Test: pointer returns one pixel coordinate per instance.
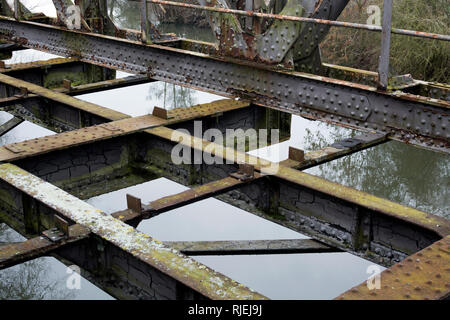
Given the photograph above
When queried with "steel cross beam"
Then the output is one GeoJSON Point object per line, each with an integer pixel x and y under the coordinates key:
{"type": "Point", "coordinates": [370, 202]}
{"type": "Point", "coordinates": [166, 134]}
{"type": "Point", "coordinates": [413, 119]}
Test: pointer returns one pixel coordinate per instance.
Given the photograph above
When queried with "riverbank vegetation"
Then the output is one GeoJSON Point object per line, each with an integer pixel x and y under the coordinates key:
{"type": "Point", "coordinates": [424, 59]}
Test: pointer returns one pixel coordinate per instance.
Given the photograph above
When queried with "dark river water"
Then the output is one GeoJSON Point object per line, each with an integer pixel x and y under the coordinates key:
{"type": "Point", "coordinates": [394, 171]}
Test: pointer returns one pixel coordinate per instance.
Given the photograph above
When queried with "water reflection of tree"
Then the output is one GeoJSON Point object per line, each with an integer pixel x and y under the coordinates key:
{"type": "Point", "coordinates": [125, 14]}
{"type": "Point", "coordinates": [171, 96]}
{"type": "Point", "coordinates": [395, 171]}
{"type": "Point", "coordinates": [31, 280]}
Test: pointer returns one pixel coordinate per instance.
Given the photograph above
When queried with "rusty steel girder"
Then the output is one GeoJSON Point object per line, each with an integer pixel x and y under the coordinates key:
{"type": "Point", "coordinates": [417, 120]}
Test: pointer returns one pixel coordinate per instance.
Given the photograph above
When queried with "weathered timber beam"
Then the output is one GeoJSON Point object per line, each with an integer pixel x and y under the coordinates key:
{"type": "Point", "coordinates": [246, 247]}
{"type": "Point", "coordinates": [105, 85]}
{"type": "Point", "coordinates": [33, 99]}
{"type": "Point", "coordinates": [81, 89]}
{"type": "Point", "coordinates": [417, 120]}
{"type": "Point", "coordinates": [422, 276]}
{"type": "Point", "coordinates": [156, 270]}
{"type": "Point", "coordinates": [9, 125]}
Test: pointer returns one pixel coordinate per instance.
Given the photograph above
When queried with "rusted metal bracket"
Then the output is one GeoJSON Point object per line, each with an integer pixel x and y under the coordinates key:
{"type": "Point", "coordinates": [245, 173]}
{"type": "Point", "coordinates": [67, 84]}
{"type": "Point", "coordinates": [62, 225]}
{"type": "Point", "coordinates": [60, 231]}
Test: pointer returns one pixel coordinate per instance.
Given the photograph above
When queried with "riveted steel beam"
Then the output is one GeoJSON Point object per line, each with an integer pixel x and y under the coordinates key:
{"type": "Point", "coordinates": [74, 90]}
{"type": "Point", "coordinates": [156, 270]}
{"type": "Point", "coordinates": [246, 247]}
{"type": "Point", "coordinates": [422, 276]}
{"type": "Point", "coordinates": [417, 120]}
{"type": "Point", "coordinates": [193, 195]}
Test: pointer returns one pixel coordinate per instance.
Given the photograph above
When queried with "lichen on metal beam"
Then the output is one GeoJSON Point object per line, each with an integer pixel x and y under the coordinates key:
{"type": "Point", "coordinates": [186, 270]}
